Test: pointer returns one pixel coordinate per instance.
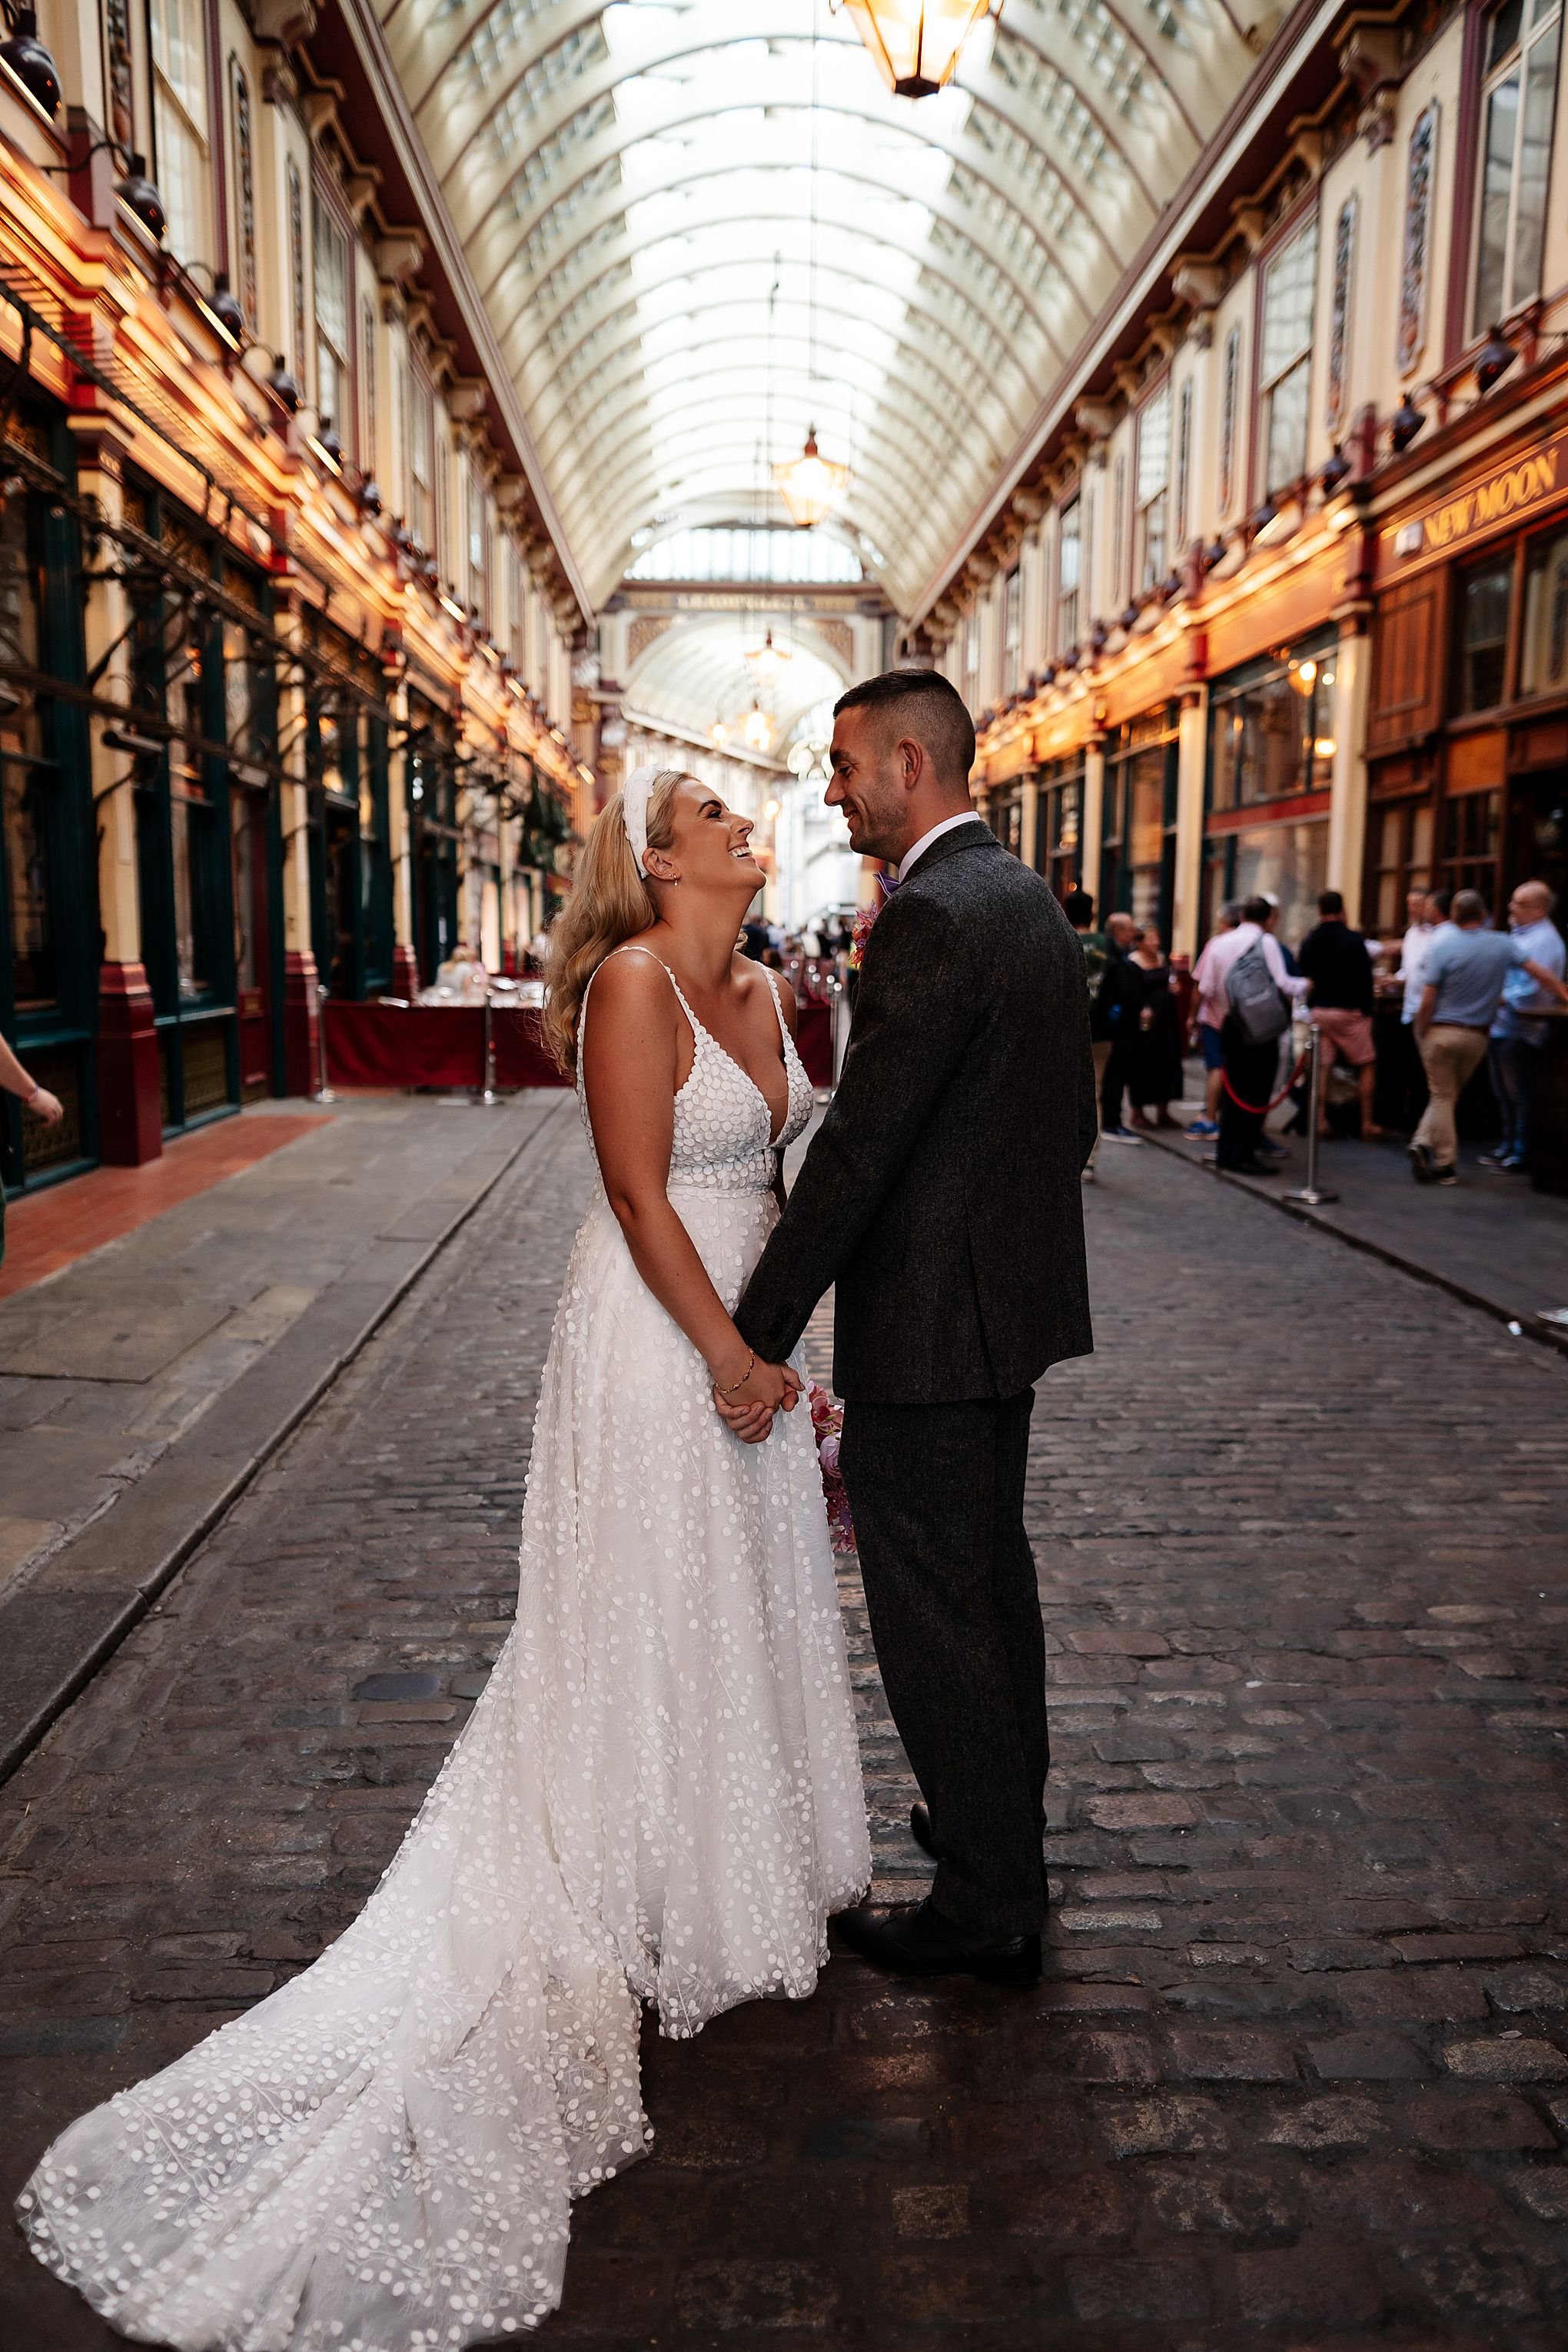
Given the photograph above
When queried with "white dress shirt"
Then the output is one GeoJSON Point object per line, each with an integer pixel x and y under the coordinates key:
{"type": "Point", "coordinates": [1412, 956]}
{"type": "Point", "coordinates": [965, 816]}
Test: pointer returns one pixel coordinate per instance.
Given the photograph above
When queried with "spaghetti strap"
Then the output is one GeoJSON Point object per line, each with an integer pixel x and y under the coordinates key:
{"type": "Point", "coordinates": [771, 978]}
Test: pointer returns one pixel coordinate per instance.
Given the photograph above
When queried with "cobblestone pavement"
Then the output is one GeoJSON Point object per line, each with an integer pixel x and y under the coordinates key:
{"type": "Point", "coordinates": [1298, 2073]}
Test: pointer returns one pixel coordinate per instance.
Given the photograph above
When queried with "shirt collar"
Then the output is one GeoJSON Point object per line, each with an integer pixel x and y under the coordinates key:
{"type": "Point", "coordinates": [965, 816]}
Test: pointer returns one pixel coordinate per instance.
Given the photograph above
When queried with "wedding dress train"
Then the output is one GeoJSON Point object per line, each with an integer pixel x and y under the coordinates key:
{"type": "Point", "coordinates": [657, 1799]}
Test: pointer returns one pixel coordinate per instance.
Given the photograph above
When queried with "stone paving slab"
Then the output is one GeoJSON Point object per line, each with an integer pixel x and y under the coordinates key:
{"type": "Point", "coordinates": [99, 1521]}
{"type": "Point", "coordinates": [1298, 2075]}
{"type": "Point", "coordinates": [1492, 1240]}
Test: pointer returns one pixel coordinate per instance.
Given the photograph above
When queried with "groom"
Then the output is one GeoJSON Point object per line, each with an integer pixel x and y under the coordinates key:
{"type": "Point", "coordinates": [941, 1196]}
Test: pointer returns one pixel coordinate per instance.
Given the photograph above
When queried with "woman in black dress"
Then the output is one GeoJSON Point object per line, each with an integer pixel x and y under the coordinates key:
{"type": "Point", "coordinates": [1154, 1062]}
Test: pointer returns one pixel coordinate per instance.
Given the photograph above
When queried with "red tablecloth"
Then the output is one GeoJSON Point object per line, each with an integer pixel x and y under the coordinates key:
{"type": "Point", "coordinates": [433, 1045]}
{"type": "Point", "coordinates": [444, 1045]}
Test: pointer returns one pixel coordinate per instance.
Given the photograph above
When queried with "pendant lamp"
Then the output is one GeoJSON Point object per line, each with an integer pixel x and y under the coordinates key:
{"type": "Point", "coordinates": [811, 485]}
{"type": "Point", "coordinates": [916, 43]}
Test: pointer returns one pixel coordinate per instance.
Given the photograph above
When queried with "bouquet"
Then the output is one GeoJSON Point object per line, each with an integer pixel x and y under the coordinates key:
{"type": "Point", "coordinates": [861, 929]}
{"type": "Point", "coordinates": [827, 1427]}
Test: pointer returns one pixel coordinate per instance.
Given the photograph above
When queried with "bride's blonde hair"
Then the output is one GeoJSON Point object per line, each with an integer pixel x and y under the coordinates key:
{"type": "Point", "coordinates": [609, 902]}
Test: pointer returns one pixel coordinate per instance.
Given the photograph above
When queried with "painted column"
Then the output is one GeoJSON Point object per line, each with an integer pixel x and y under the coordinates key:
{"type": "Point", "coordinates": [1029, 803]}
{"type": "Point", "coordinates": [1348, 799]}
{"type": "Point", "coordinates": [131, 1127]}
{"type": "Point", "coordinates": [1093, 819]}
{"type": "Point", "coordinates": [400, 847]}
{"type": "Point", "coordinates": [1192, 757]}
{"type": "Point", "coordinates": [302, 1002]}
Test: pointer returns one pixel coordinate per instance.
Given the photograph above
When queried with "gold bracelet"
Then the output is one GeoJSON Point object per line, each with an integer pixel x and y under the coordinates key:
{"type": "Point", "coordinates": [745, 1376]}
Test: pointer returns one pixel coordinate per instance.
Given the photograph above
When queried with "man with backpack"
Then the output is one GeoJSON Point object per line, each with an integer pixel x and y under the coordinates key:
{"type": "Point", "coordinates": [1245, 971]}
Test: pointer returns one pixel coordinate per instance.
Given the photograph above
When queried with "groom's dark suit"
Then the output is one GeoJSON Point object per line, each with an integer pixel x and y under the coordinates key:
{"type": "Point", "coordinates": [941, 1196]}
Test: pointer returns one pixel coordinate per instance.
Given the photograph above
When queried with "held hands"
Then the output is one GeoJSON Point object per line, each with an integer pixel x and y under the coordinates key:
{"type": "Point", "coordinates": [747, 1405]}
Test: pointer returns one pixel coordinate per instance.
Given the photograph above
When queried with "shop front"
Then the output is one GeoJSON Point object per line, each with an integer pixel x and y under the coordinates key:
{"type": "Point", "coordinates": [430, 771]}
{"type": "Point", "coordinates": [48, 918]}
{"type": "Point", "coordinates": [1138, 827]}
{"type": "Point", "coordinates": [1270, 768]}
{"type": "Point", "coordinates": [1467, 731]}
{"type": "Point", "coordinates": [1058, 822]}
{"type": "Point", "coordinates": [347, 786]}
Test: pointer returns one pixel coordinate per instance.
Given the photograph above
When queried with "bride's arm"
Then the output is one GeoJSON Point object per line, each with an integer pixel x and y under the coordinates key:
{"type": "Point", "coordinates": [630, 1059]}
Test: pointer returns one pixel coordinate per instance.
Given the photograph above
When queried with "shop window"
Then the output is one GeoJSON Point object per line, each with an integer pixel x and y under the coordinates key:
{"type": "Point", "coordinates": [1518, 106]}
{"type": "Point", "coordinates": [1286, 862]}
{"type": "Point", "coordinates": [1118, 527]}
{"type": "Point", "coordinates": [297, 264]}
{"type": "Point", "coordinates": [1012, 630]}
{"type": "Point", "coordinates": [1273, 732]}
{"type": "Point", "coordinates": [179, 32]}
{"type": "Point", "coordinates": [1285, 356]}
{"type": "Point", "coordinates": [367, 383]}
{"type": "Point", "coordinates": [1543, 656]}
{"type": "Point", "coordinates": [1401, 846]}
{"type": "Point", "coordinates": [244, 190]}
{"type": "Point", "coordinates": [972, 658]}
{"type": "Point", "coordinates": [1139, 818]}
{"type": "Point", "coordinates": [330, 255]}
{"type": "Point", "coordinates": [1069, 562]}
{"type": "Point", "coordinates": [1155, 486]}
{"type": "Point", "coordinates": [1471, 827]}
{"type": "Point", "coordinates": [1058, 823]}
{"type": "Point", "coordinates": [1485, 594]}
{"type": "Point", "coordinates": [1006, 814]}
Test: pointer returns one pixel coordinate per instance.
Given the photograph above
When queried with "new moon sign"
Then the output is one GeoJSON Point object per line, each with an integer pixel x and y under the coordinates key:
{"type": "Point", "coordinates": [1505, 495]}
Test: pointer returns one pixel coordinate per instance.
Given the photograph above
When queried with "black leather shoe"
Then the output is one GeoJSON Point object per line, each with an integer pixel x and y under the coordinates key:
{"type": "Point", "coordinates": [919, 1942]}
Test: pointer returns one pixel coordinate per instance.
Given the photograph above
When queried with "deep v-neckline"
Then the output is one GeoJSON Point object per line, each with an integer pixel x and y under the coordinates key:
{"type": "Point", "coordinates": [701, 1028]}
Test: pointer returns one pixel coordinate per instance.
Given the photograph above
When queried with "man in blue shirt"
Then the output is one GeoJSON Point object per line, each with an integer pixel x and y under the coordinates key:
{"type": "Point", "coordinates": [1463, 975]}
{"type": "Point", "coordinates": [1518, 1033]}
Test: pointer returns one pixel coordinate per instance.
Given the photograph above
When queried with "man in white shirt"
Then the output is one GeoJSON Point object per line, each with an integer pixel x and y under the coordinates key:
{"type": "Point", "coordinates": [1249, 1068]}
{"type": "Point", "coordinates": [1426, 909]}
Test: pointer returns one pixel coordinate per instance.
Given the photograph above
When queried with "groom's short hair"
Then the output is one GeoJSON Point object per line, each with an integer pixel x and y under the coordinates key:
{"type": "Point", "coordinates": [922, 703]}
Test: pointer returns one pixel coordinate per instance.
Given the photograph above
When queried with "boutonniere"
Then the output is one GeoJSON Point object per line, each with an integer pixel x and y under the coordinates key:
{"type": "Point", "coordinates": [865, 917]}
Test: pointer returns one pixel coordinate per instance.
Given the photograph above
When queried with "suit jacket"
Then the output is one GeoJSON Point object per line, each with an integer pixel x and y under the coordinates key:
{"type": "Point", "coordinates": [941, 1194]}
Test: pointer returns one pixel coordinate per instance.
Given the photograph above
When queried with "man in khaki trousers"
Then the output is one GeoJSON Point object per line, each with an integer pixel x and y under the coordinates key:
{"type": "Point", "coordinates": [1463, 971]}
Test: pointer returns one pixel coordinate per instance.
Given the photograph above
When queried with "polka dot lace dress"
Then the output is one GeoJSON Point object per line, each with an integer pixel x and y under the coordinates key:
{"type": "Point", "coordinates": [657, 1799]}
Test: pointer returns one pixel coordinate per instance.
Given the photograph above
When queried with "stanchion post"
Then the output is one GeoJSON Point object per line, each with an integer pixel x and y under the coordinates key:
{"type": "Point", "coordinates": [488, 1098]}
{"type": "Point", "coordinates": [323, 1093]}
{"type": "Point", "coordinates": [1311, 1194]}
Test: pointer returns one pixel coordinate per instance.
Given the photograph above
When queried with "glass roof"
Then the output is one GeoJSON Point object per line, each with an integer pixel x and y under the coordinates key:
{"type": "Point", "coordinates": [700, 226]}
{"type": "Point", "coordinates": [699, 672]}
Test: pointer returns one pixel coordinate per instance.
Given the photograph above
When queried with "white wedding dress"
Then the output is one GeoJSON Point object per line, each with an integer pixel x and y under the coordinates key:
{"type": "Point", "coordinates": [657, 1799]}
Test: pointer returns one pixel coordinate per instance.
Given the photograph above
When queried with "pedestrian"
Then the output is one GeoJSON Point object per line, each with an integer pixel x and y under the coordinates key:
{"type": "Point", "coordinates": [1154, 1051]}
{"type": "Point", "coordinates": [1122, 997]}
{"type": "Point", "coordinates": [1243, 966]}
{"type": "Point", "coordinates": [1210, 1019]}
{"type": "Point", "coordinates": [1335, 960]}
{"type": "Point", "coordinates": [1079, 908]}
{"type": "Point", "coordinates": [1463, 972]}
{"type": "Point", "coordinates": [43, 1105]}
{"type": "Point", "coordinates": [1517, 1033]}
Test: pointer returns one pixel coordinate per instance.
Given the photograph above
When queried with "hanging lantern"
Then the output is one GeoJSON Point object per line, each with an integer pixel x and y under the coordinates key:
{"type": "Point", "coordinates": [767, 661]}
{"type": "Point", "coordinates": [916, 43]}
{"type": "Point", "coordinates": [811, 485]}
{"type": "Point", "coordinates": [759, 728]}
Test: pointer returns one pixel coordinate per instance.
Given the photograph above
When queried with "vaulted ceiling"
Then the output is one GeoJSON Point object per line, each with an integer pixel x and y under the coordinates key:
{"type": "Point", "coordinates": [701, 226]}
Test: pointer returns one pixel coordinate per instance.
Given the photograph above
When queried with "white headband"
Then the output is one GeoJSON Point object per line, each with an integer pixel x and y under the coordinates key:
{"type": "Point", "coordinates": [634, 810]}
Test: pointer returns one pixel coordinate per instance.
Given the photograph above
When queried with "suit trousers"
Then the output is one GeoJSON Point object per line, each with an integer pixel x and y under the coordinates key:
{"type": "Point", "coordinates": [937, 1493]}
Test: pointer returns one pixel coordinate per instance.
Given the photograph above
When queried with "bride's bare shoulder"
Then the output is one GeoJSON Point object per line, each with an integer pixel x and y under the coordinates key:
{"type": "Point", "coordinates": [751, 978]}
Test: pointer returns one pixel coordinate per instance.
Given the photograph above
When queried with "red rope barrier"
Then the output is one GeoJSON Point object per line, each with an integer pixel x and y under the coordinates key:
{"type": "Point", "coordinates": [1262, 1110]}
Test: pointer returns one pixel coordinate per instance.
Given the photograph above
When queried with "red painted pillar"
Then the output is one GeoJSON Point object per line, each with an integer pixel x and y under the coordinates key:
{"type": "Point", "coordinates": [130, 1117]}
{"type": "Point", "coordinates": [301, 1014]}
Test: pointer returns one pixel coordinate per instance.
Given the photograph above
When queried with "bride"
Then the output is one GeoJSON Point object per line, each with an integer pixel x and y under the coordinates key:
{"type": "Point", "coordinates": [657, 1799]}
